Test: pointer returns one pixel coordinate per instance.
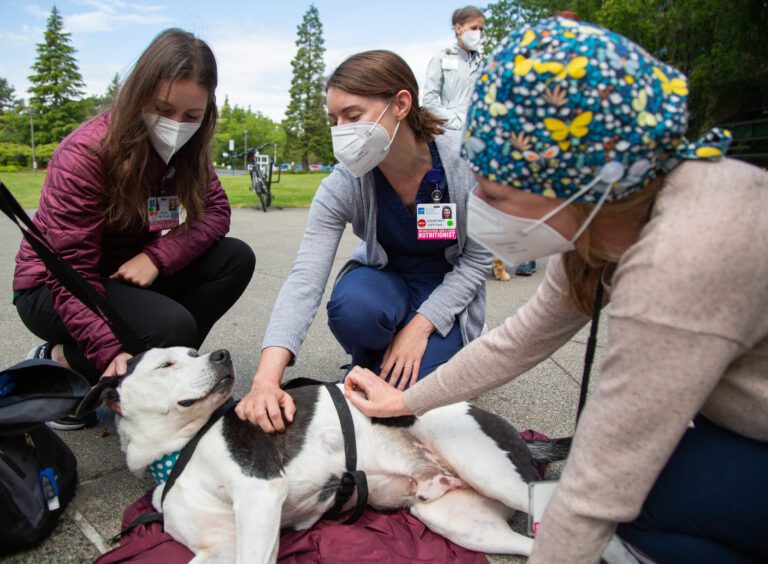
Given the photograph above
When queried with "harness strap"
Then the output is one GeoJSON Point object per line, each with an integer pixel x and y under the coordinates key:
{"type": "Point", "coordinates": [189, 448]}
{"type": "Point", "coordinates": [351, 479]}
{"type": "Point", "coordinates": [151, 517]}
{"type": "Point", "coordinates": [181, 462]}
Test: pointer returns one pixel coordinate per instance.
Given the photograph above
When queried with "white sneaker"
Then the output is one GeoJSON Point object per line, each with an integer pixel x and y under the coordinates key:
{"type": "Point", "coordinates": [40, 351]}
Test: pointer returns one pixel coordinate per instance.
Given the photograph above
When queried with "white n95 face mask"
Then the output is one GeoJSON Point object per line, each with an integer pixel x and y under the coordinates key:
{"type": "Point", "coordinates": [168, 136]}
{"type": "Point", "coordinates": [516, 239]}
{"type": "Point", "coordinates": [363, 145]}
{"type": "Point", "coordinates": [513, 239]}
{"type": "Point", "coordinates": [471, 39]}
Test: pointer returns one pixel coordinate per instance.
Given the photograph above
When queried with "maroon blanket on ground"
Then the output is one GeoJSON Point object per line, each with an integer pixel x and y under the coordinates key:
{"type": "Point", "coordinates": [395, 538]}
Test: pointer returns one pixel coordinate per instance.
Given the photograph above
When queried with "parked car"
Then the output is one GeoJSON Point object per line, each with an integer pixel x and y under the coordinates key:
{"type": "Point", "coordinates": [327, 168]}
{"type": "Point", "coordinates": [298, 168]}
{"type": "Point", "coordinates": [315, 167]}
{"type": "Point", "coordinates": [285, 167]}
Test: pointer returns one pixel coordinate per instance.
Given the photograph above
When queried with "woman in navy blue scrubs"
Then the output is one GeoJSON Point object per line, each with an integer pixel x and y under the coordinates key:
{"type": "Point", "coordinates": [413, 293]}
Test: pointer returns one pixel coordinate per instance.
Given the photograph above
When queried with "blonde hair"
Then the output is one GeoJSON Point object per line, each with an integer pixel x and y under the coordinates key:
{"type": "Point", "coordinates": [584, 265]}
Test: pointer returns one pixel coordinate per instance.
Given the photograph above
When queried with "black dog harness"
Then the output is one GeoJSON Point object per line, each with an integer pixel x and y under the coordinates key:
{"type": "Point", "coordinates": [181, 462]}
{"type": "Point", "coordinates": [351, 480]}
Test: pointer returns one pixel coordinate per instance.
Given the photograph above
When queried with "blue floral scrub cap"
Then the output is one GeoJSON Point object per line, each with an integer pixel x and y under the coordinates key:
{"type": "Point", "coordinates": [562, 106]}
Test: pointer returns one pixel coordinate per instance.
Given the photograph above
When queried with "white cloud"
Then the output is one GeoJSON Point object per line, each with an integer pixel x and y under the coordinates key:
{"type": "Point", "coordinates": [28, 35]}
{"type": "Point", "coordinates": [37, 11]}
{"type": "Point", "coordinates": [108, 15]}
{"type": "Point", "coordinates": [256, 70]}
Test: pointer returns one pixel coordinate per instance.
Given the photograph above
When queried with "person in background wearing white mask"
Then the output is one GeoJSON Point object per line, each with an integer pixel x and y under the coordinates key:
{"type": "Point", "coordinates": [110, 207]}
{"type": "Point", "coordinates": [576, 136]}
{"type": "Point", "coordinates": [451, 77]}
{"type": "Point", "coordinates": [452, 73]}
{"type": "Point", "coordinates": [414, 292]}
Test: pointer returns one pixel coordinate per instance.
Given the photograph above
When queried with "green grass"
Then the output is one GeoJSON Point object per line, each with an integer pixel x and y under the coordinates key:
{"type": "Point", "coordinates": [293, 190]}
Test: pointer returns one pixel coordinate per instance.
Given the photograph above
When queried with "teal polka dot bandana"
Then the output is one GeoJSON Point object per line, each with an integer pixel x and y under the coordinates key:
{"type": "Point", "coordinates": [561, 99]}
{"type": "Point", "coordinates": [161, 469]}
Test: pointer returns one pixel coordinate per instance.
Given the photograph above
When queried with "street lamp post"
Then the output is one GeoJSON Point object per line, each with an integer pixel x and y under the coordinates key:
{"type": "Point", "coordinates": [32, 138]}
{"type": "Point", "coordinates": [245, 150]}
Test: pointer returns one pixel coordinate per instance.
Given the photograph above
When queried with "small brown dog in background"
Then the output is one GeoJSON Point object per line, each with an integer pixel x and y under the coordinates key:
{"type": "Point", "coordinates": [498, 270]}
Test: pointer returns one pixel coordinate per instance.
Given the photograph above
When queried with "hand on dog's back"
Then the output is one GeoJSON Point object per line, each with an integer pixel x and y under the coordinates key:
{"type": "Point", "coordinates": [263, 404]}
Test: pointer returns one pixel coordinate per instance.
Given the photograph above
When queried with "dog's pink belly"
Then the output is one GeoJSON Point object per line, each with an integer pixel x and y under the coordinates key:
{"type": "Point", "coordinates": [389, 491]}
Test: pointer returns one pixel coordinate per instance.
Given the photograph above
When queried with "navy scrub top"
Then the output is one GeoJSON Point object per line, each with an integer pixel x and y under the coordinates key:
{"type": "Point", "coordinates": [396, 228]}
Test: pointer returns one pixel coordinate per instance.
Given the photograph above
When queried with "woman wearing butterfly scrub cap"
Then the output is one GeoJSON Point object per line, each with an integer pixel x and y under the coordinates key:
{"type": "Point", "coordinates": [576, 136]}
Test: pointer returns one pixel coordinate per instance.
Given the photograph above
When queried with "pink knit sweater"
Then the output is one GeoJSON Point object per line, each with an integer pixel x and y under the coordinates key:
{"type": "Point", "coordinates": [687, 333]}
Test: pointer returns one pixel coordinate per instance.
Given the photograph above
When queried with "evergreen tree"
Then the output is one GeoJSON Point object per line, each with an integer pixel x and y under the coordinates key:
{"type": "Point", "coordinates": [14, 125]}
{"type": "Point", "coordinates": [307, 128]}
{"type": "Point", "coordinates": [7, 96]}
{"type": "Point", "coordinates": [721, 46]}
{"type": "Point", "coordinates": [56, 83]}
{"type": "Point", "coordinates": [112, 89]}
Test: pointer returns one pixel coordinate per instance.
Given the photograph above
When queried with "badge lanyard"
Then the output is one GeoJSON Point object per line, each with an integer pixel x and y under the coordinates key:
{"type": "Point", "coordinates": [435, 177]}
{"type": "Point", "coordinates": [162, 210]}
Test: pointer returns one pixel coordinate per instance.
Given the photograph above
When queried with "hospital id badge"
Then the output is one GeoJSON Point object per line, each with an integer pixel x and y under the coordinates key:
{"type": "Point", "coordinates": [450, 63]}
{"type": "Point", "coordinates": [539, 494]}
{"type": "Point", "coordinates": [435, 222]}
{"type": "Point", "coordinates": [163, 212]}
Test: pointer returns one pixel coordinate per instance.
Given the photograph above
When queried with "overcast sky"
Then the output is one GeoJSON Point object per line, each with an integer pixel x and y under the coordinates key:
{"type": "Point", "coordinates": [253, 40]}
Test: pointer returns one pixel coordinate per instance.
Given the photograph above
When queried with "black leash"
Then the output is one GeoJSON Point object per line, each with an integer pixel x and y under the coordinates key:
{"type": "Point", "coordinates": [591, 345]}
{"type": "Point", "coordinates": [68, 276]}
{"type": "Point", "coordinates": [351, 479]}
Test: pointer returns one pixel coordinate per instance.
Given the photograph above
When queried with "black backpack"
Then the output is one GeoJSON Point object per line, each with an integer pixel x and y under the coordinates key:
{"type": "Point", "coordinates": [38, 471]}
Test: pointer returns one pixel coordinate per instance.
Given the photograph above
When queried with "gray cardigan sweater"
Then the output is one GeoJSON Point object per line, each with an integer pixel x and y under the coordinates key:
{"type": "Point", "coordinates": [342, 199]}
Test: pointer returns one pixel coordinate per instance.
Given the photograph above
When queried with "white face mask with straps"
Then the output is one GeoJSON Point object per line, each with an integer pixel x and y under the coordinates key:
{"type": "Point", "coordinates": [516, 239]}
{"type": "Point", "coordinates": [363, 145]}
{"type": "Point", "coordinates": [472, 39]}
{"type": "Point", "coordinates": [168, 136]}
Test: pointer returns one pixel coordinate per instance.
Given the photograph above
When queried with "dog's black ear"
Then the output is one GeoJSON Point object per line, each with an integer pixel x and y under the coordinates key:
{"type": "Point", "coordinates": [105, 387]}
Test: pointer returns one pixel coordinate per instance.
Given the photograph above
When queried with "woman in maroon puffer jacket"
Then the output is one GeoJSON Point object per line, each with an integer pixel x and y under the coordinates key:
{"type": "Point", "coordinates": [110, 207]}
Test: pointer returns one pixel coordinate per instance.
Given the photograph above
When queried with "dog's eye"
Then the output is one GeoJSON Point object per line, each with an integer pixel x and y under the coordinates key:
{"type": "Point", "coordinates": [187, 403]}
{"type": "Point", "coordinates": [167, 365]}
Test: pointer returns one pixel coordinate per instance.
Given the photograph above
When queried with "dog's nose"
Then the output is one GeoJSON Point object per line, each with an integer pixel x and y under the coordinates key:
{"type": "Point", "coordinates": [221, 355]}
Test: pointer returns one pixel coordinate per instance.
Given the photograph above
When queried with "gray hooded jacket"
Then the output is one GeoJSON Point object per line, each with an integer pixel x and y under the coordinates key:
{"type": "Point", "coordinates": [342, 199]}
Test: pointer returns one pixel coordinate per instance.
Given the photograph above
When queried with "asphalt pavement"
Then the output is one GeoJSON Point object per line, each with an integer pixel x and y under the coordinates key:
{"type": "Point", "coordinates": [543, 399]}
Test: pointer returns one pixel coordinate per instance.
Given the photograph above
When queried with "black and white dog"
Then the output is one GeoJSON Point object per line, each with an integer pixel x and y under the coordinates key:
{"type": "Point", "coordinates": [461, 470]}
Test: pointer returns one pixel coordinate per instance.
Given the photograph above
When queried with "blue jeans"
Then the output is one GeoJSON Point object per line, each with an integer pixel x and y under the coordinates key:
{"type": "Point", "coordinates": [369, 306]}
{"type": "Point", "coordinates": [710, 502]}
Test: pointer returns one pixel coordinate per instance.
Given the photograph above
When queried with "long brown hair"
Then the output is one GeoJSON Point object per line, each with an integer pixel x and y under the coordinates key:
{"type": "Point", "coordinates": [382, 74]}
{"type": "Point", "coordinates": [173, 55]}
{"type": "Point", "coordinates": [584, 265]}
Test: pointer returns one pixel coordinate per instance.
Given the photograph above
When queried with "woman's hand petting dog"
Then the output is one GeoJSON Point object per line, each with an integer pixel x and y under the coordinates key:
{"type": "Point", "coordinates": [139, 271]}
{"type": "Point", "coordinates": [402, 360]}
{"type": "Point", "coordinates": [263, 404]}
{"type": "Point", "coordinates": [380, 399]}
{"type": "Point", "coordinates": [118, 366]}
